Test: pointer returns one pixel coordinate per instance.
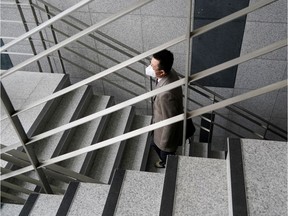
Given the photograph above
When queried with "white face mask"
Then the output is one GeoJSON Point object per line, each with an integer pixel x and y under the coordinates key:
{"type": "Point", "coordinates": [150, 72]}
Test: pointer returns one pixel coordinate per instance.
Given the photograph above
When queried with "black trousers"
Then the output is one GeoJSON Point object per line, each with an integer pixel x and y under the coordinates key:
{"type": "Point", "coordinates": [161, 154]}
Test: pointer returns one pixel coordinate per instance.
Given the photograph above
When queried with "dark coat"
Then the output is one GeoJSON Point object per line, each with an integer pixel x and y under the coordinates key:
{"type": "Point", "coordinates": [167, 105]}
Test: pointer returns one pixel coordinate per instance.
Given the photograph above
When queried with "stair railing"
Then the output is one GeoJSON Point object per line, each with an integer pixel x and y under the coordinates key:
{"type": "Point", "coordinates": [129, 55]}
{"type": "Point", "coordinates": [145, 96]}
{"type": "Point", "coordinates": [267, 125]}
{"type": "Point", "coordinates": [252, 117]}
{"type": "Point", "coordinates": [245, 113]}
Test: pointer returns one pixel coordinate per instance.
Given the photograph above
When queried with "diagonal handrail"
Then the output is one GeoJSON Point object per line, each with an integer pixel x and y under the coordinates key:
{"type": "Point", "coordinates": [45, 24]}
{"type": "Point", "coordinates": [197, 112]}
{"type": "Point", "coordinates": [239, 108]}
{"type": "Point", "coordinates": [91, 79]}
{"type": "Point", "coordinates": [194, 77]}
{"type": "Point", "coordinates": [136, 52]}
{"type": "Point", "coordinates": [77, 36]}
{"type": "Point", "coordinates": [151, 127]}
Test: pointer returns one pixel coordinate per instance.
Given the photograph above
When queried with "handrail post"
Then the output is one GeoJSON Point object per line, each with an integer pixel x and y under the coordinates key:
{"type": "Point", "coordinates": [7, 105]}
{"type": "Point", "coordinates": [55, 40]}
{"type": "Point", "coordinates": [41, 35]}
{"type": "Point", "coordinates": [45, 24]}
{"type": "Point", "coordinates": [27, 30]}
{"type": "Point", "coordinates": [188, 60]}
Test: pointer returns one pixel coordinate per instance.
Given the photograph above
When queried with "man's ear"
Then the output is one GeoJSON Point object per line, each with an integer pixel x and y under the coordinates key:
{"type": "Point", "coordinates": [163, 73]}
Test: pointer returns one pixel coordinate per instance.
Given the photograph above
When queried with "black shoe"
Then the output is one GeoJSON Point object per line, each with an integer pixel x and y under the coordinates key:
{"type": "Point", "coordinates": [159, 164]}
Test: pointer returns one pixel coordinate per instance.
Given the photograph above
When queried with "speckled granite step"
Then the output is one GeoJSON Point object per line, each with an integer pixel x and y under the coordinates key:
{"type": "Point", "coordinates": [108, 158]}
{"type": "Point", "coordinates": [134, 193]}
{"type": "Point", "coordinates": [264, 165]}
{"type": "Point", "coordinates": [134, 152]}
{"type": "Point", "coordinates": [41, 204]}
{"type": "Point", "coordinates": [10, 209]}
{"type": "Point", "coordinates": [87, 134]}
{"type": "Point", "coordinates": [24, 88]}
{"type": "Point", "coordinates": [195, 186]}
{"type": "Point", "coordinates": [69, 107]}
{"type": "Point", "coordinates": [87, 199]}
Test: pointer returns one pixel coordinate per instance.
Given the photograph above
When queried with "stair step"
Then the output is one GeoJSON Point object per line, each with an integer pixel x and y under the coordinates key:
{"type": "Point", "coordinates": [139, 193]}
{"type": "Point", "coordinates": [108, 158]}
{"type": "Point", "coordinates": [8, 209]}
{"type": "Point", "coordinates": [95, 196]}
{"type": "Point", "coordinates": [68, 109]}
{"type": "Point", "coordinates": [263, 178]}
{"type": "Point", "coordinates": [135, 147]}
{"type": "Point", "coordinates": [33, 86]}
{"type": "Point", "coordinates": [199, 150]}
{"type": "Point", "coordinates": [199, 185]}
{"type": "Point", "coordinates": [86, 134]}
{"type": "Point", "coordinates": [65, 112]}
{"type": "Point", "coordinates": [42, 204]}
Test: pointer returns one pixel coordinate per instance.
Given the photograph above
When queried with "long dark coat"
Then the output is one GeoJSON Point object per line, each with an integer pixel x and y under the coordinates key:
{"type": "Point", "coordinates": [166, 105]}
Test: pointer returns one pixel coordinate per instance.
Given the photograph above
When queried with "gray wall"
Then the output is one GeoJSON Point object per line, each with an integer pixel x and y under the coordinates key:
{"type": "Point", "coordinates": [159, 22]}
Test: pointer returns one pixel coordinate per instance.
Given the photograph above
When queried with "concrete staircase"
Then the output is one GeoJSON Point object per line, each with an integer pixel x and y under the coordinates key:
{"type": "Point", "coordinates": [252, 184]}
{"type": "Point", "coordinates": [250, 180]}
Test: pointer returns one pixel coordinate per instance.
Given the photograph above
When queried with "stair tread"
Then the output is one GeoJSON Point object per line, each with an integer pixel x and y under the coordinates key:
{"type": "Point", "coordinates": [46, 204]}
{"type": "Point", "coordinates": [201, 182]}
{"type": "Point", "coordinates": [33, 86]}
{"type": "Point", "coordinates": [62, 115]}
{"type": "Point", "coordinates": [265, 172]}
{"type": "Point", "coordinates": [134, 149]}
{"type": "Point", "coordinates": [88, 131]}
{"type": "Point", "coordinates": [95, 196]}
{"type": "Point", "coordinates": [140, 193]}
{"type": "Point", "coordinates": [45, 148]}
{"type": "Point", "coordinates": [10, 209]}
{"type": "Point", "coordinates": [105, 157]}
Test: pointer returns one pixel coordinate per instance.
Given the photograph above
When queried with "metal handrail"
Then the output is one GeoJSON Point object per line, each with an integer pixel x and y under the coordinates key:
{"type": "Point", "coordinates": [45, 24]}
{"type": "Point", "coordinates": [175, 119]}
{"type": "Point", "coordinates": [147, 95]}
{"type": "Point", "coordinates": [244, 115]}
{"type": "Point", "coordinates": [126, 53]}
{"type": "Point", "coordinates": [242, 109]}
{"type": "Point", "coordinates": [135, 59]}
{"type": "Point", "coordinates": [154, 126]}
{"type": "Point", "coordinates": [107, 37]}
{"type": "Point", "coordinates": [77, 36]}
{"type": "Point", "coordinates": [136, 52]}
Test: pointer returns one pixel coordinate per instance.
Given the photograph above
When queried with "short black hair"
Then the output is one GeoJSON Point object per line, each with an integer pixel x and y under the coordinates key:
{"type": "Point", "coordinates": [166, 59]}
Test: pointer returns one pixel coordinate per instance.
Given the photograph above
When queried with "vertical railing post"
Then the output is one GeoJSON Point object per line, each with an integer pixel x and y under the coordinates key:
{"type": "Point", "coordinates": [41, 34]}
{"type": "Point", "coordinates": [7, 105]}
{"type": "Point", "coordinates": [188, 56]}
{"type": "Point", "coordinates": [27, 30]}
{"type": "Point", "coordinates": [55, 40]}
{"type": "Point", "coordinates": [209, 150]}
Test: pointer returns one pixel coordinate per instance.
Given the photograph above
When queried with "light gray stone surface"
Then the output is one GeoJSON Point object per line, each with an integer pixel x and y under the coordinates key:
{"type": "Point", "coordinates": [84, 134]}
{"type": "Point", "coordinates": [265, 172]}
{"type": "Point", "coordinates": [134, 148]}
{"type": "Point", "coordinates": [140, 194]}
{"type": "Point", "coordinates": [89, 199]}
{"type": "Point", "coordinates": [274, 12]}
{"type": "Point", "coordinates": [10, 209]}
{"type": "Point", "coordinates": [105, 157]}
{"type": "Point", "coordinates": [201, 187]}
{"type": "Point", "coordinates": [24, 88]}
{"type": "Point", "coordinates": [62, 115]}
{"type": "Point", "coordinates": [257, 73]}
{"type": "Point", "coordinates": [46, 204]}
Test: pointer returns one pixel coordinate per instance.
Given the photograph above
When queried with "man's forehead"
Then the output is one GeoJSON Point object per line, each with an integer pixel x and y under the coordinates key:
{"type": "Point", "coordinates": [154, 62]}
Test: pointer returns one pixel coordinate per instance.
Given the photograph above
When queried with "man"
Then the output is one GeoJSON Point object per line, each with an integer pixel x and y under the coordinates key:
{"type": "Point", "coordinates": [166, 105]}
